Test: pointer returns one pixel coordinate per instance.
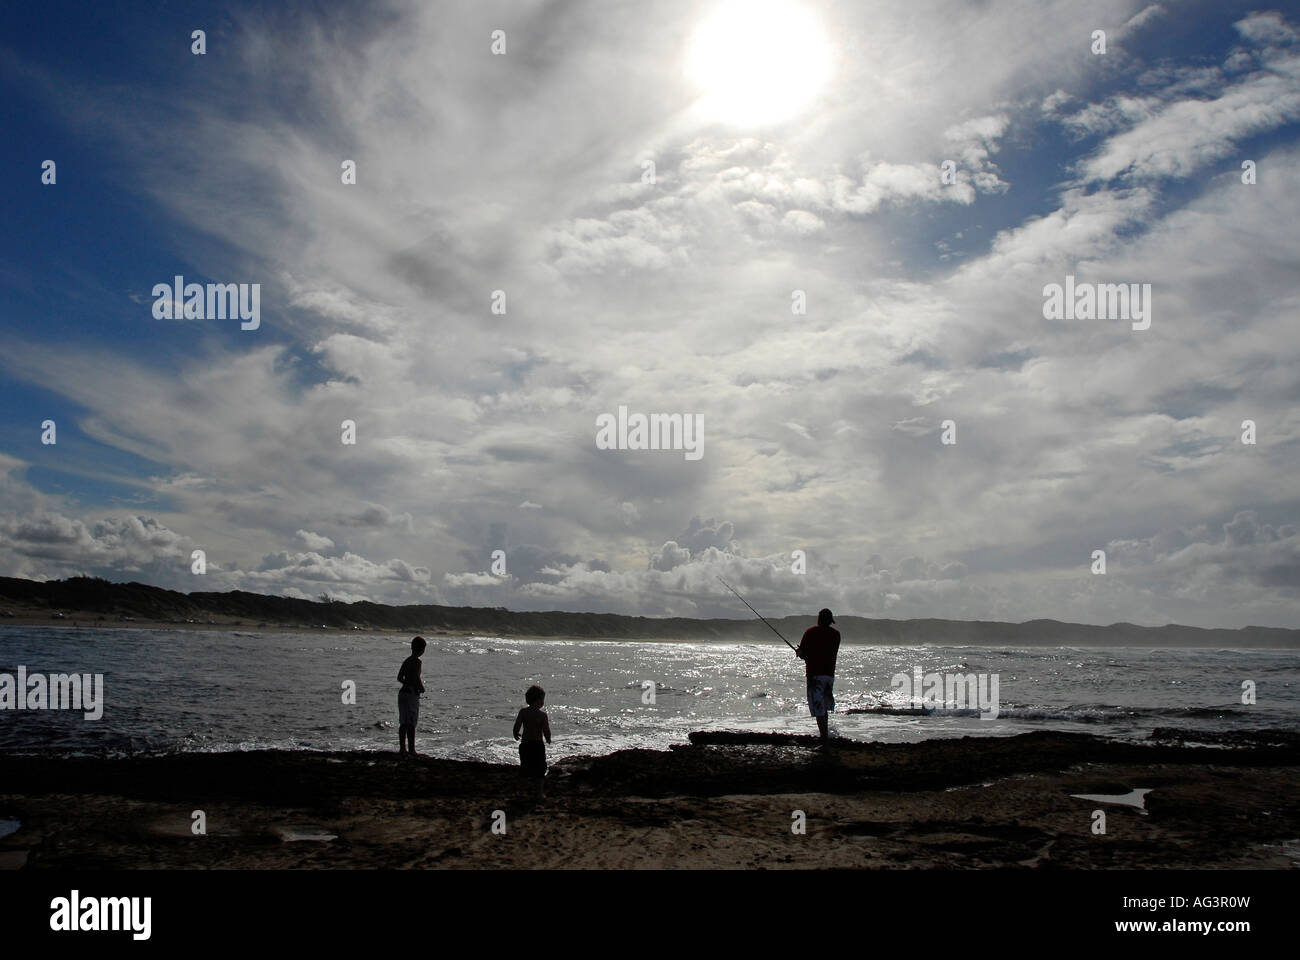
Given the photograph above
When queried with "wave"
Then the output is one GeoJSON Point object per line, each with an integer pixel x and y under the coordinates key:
{"type": "Point", "coordinates": [1075, 713]}
{"type": "Point", "coordinates": [1102, 713]}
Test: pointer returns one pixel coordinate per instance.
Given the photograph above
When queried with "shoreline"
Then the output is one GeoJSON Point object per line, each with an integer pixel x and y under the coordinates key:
{"type": "Point", "coordinates": [87, 622]}
{"type": "Point", "coordinates": [967, 803]}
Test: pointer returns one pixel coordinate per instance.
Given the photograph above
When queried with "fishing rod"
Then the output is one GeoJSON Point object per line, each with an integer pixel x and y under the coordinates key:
{"type": "Point", "coordinates": [757, 614]}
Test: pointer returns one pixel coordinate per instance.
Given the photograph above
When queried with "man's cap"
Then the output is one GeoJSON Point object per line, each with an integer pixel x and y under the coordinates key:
{"type": "Point", "coordinates": [824, 616]}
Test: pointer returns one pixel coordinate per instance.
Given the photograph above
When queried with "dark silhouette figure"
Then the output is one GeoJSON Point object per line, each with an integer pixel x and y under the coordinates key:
{"type": "Point", "coordinates": [818, 649]}
{"type": "Point", "coordinates": [408, 699]}
{"type": "Point", "coordinates": [535, 725]}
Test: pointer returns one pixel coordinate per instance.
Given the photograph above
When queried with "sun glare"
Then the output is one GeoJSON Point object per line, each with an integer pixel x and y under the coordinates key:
{"type": "Point", "coordinates": [758, 61]}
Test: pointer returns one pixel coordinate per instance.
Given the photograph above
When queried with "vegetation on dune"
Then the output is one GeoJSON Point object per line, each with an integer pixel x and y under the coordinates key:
{"type": "Point", "coordinates": [143, 602]}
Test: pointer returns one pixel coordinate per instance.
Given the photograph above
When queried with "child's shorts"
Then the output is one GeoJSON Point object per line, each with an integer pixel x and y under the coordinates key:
{"type": "Point", "coordinates": [532, 758]}
{"type": "Point", "coordinates": [408, 708]}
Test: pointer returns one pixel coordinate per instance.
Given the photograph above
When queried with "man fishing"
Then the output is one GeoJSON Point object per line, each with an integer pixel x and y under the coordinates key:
{"type": "Point", "coordinates": [818, 649]}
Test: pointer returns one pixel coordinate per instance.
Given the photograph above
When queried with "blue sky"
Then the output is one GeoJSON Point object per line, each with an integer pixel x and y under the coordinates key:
{"type": "Point", "coordinates": [524, 172]}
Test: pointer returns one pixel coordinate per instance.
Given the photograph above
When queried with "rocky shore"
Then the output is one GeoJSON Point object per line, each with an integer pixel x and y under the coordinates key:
{"type": "Point", "coordinates": [724, 801]}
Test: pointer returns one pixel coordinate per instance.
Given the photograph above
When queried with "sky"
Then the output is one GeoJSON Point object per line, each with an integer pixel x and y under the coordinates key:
{"type": "Point", "coordinates": [822, 231]}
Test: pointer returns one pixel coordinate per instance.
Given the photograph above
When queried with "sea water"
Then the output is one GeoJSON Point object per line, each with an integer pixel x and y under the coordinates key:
{"type": "Point", "coordinates": [218, 690]}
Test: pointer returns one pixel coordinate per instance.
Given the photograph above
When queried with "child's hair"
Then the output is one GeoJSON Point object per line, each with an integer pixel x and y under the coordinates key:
{"type": "Point", "coordinates": [534, 696]}
{"type": "Point", "coordinates": [417, 645]}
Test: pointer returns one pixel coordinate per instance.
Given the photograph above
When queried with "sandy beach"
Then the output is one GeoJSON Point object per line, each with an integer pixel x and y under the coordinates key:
{"type": "Point", "coordinates": [724, 801]}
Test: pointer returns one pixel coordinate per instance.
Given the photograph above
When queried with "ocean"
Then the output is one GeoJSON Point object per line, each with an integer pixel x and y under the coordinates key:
{"type": "Point", "coordinates": [217, 690]}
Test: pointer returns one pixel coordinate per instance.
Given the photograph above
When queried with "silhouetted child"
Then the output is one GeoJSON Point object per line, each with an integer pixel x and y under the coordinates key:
{"type": "Point", "coordinates": [408, 699]}
{"type": "Point", "coordinates": [532, 751]}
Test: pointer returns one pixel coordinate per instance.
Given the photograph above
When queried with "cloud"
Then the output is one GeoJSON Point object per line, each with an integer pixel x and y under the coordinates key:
{"type": "Point", "coordinates": [457, 580]}
{"type": "Point", "coordinates": [349, 569]}
{"type": "Point", "coordinates": [1246, 561]}
{"type": "Point", "coordinates": [1143, 17]}
{"type": "Point", "coordinates": [314, 541]}
{"type": "Point", "coordinates": [669, 555]}
{"type": "Point", "coordinates": [802, 222]}
{"type": "Point", "coordinates": [701, 535]}
{"type": "Point", "coordinates": [1053, 102]}
{"type": "Point", "coordinates": [114, 543]}
{"type": "Point", "coordinates": [1176, 137]}
{"type": "Point", "coordinates": [374, 515]}
{"type": "Point", "coordinates": [1267, 28]}
{"type": "Point", "coordinates": [924, 304]}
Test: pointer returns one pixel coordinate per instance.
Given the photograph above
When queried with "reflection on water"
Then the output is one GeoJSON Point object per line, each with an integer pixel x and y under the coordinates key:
{"type": "Point", "coordinates": [242, 690]}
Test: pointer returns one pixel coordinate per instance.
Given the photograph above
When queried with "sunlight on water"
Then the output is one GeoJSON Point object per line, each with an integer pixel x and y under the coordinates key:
{"type": "Point", "coordinates": [176, 690]}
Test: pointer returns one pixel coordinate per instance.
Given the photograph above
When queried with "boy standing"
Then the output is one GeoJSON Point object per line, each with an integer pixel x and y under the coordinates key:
{"type": "Point", "coordinates": [535, 725]}
{"type": "Point", "coordinates": [408, 699]}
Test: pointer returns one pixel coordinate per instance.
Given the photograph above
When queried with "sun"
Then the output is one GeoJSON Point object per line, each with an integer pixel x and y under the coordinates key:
{"type": "Point", "coordinates": [758, 61]}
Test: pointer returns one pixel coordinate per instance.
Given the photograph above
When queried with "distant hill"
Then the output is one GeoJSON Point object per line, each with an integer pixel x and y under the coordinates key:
{"type": "Point", "coordinates": [94, 598]}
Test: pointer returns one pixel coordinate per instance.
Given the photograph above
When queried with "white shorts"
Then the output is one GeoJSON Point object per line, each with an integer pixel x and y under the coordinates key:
{"type": "Point", "coordinates": [821, 701]}
{"type": "Point", "coordinates": [408, 708]}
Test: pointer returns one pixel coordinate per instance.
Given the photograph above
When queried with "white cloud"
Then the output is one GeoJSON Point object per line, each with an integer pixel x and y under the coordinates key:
{"type": "Point", "coordinates": [1144, 17]}
{"type": "Point", "coordinates": [314, 541]}
{"type": "Point", "coordinates": [822, 429]}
